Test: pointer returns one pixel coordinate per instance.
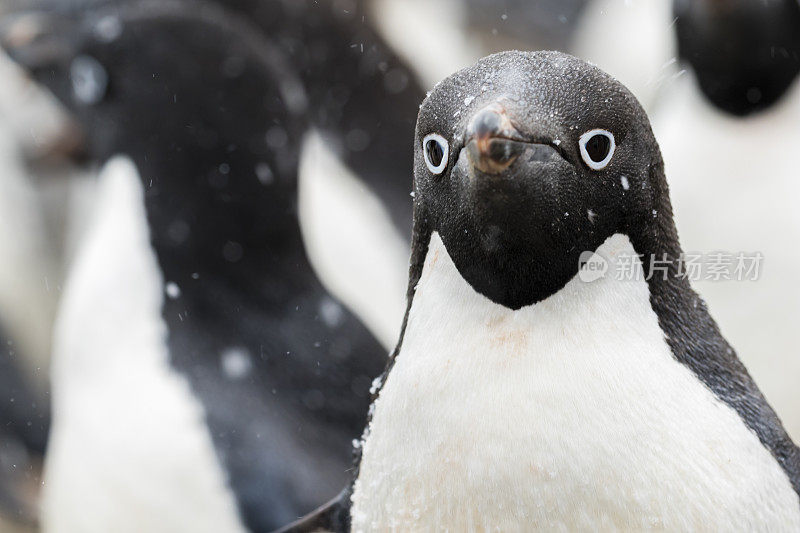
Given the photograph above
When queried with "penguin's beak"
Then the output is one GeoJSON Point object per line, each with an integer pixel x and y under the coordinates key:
{"type": "Point", "coordinates": [493, 143]}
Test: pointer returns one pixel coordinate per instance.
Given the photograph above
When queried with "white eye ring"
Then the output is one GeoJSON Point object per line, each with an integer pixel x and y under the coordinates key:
{"type": "Point", "coordinates": [443, 146]}
{"type": "Point", "coordinates": [584, 139]}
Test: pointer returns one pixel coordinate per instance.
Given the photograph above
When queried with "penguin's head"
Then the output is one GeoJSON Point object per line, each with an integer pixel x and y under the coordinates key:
{"type": "Point", "coordinates": [526, 160]}
{"type": "Point", "coordinates": [201, 102]}
{"type": "Point", "coordinates": [152, 72]}
{"type": "Point", "coordinates": [745, 53]}
{"type": "Point", "coordinates": [81, 52]}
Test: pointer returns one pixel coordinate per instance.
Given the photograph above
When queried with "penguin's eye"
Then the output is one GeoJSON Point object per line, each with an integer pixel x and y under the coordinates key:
{"type": "Point", "coordinates": [436, 150]}
{"type": "Point", "coordinates": [597, 148]}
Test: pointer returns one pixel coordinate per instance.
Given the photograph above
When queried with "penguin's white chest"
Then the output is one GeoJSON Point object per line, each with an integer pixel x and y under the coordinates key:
{"type": "Point", "coordinates": [571, 414]}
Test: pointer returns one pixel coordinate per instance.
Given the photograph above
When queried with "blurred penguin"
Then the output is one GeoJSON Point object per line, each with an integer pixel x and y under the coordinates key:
{"type": "Point", "coordinates": [728, 130]}
{"type": "Point", "coordinates": [203, 378]}
{"type": "Point", "coordinates": [28, 272]}
{"type": "Point", "coordinates": [29, 289]}
{"type": "Point", "coordinates": [355, 160]}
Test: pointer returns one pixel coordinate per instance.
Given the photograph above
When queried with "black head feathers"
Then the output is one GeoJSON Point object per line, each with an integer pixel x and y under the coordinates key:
{"type": "Point", "coordinates": [546, 156]}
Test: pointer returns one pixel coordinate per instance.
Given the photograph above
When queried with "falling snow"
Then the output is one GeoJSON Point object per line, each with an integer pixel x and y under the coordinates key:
{"type": "Point", "coordinates": [108, 28]}
{"type": "Point", "coordinates": [172, 290]}
{"type": "Point", "coordinates": [236, 363]}
{"type": "Point", "coordinates": [331, 313]}
{"type": "Point", "coordinates": [89, 80]}
{"type": "Point", "coordinates": [264, 173]}
{"type": "Point", "coordinates": [376, 383]}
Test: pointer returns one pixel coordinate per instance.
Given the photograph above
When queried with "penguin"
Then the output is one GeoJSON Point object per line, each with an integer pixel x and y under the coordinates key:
{"type": "Point", "coordinates": [549, 374]}
{"type": "Point", "coordinates": [29, 284]}
{"type": "Point", "coordinates": [726, 130]}
{"type": "Point", "coordinates": [203, 377]}
{"type": "Point", "coordinates": [361, 100]}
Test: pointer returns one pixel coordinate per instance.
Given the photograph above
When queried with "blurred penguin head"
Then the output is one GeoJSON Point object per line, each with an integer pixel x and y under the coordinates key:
{"type": "Point", "coordinates": [745, 53]}
{"type": "Point", "coordinates": [182, 71]}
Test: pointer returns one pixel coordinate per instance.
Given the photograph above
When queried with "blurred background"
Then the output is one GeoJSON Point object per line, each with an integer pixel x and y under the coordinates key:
{"type": "Point", "coordinates": [205, 218]}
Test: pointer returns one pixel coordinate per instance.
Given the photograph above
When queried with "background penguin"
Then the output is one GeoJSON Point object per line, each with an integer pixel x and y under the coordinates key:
{"type": "Point", "coordinates": [744, 54]}
{"type": "Point", "coordinates": [522, 391]}
{"type": "Point", "coordinates": [28, 272]}
{"type": "Point", "coordinates": [29, 288]}
{"type": "Point", "coordinates": [361, 101]}
{"type": "Point", "coordinates": [727, 130]}
{"type": "Point", "coordinates": [220, 295]}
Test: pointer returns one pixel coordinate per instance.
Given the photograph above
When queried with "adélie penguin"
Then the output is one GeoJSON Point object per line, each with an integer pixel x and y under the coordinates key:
{"type": "Point", "coordinates": [203, 378]}
{"type": "Point", "coordinates": [527, 391]}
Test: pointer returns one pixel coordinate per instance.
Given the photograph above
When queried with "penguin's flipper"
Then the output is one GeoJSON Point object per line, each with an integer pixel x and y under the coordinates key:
{"type": "Point", "coordinates": [334, 517]}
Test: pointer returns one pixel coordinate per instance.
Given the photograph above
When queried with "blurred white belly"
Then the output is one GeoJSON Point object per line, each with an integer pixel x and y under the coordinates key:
{"type": "Point", "coordinates": [129, 449]}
